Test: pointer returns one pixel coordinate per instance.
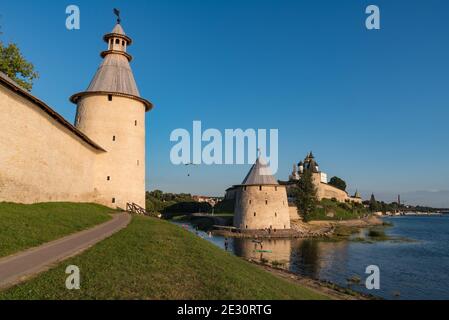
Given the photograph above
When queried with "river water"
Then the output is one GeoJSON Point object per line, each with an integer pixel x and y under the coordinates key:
{"type": "Point", "coordinates": [417, 269]}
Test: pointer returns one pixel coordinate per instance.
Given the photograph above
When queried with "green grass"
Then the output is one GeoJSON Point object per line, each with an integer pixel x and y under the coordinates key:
{"type": "Point", "coordinates": [27, 226]}
{"type": "Point", "coordinates": [340, 211]}
{"type": "Point", "coordinates": [154, 259]}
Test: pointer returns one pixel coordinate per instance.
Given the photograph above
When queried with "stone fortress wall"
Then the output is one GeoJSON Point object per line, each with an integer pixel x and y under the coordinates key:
{"type": "Point", "coordinates": [265, 203]}
{"type": "Point", "coordinates": [327, 191]}
{"type": "Point", "coordinates": [319, 179]}
{"type": "Point", "coordinates": [294, 212]}
{"type": "Point", "coordinates": [44, 158]}
{"type": "Point", "coordinates": [261, 207]}
{"type": "Point", "coordinates": [41, 159]}
{"type": "Point", "coordinates": [324, 191]}
{"type": "Point", "coordinates": [117, 125]}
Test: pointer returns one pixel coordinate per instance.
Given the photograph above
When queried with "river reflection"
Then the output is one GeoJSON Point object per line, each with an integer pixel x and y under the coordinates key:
{"type": "Point", "coordinates": [273, 251]}
{"type": "Point", "coordinates": [409, 269]}
{"type": "Point", "coordinates": [307, 257]}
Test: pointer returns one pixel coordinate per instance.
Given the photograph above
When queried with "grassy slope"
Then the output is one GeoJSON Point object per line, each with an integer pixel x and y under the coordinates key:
{"type": "Point", "coordinates": [341, 211]}
{"type": "Point", "coordinates": [27, 226]}
{"type": "Point", "coordinates": [153, 259]}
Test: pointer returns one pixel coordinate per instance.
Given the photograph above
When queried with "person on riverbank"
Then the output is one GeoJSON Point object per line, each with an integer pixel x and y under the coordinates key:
{"type": "Point", "coordinates": [226, 244]}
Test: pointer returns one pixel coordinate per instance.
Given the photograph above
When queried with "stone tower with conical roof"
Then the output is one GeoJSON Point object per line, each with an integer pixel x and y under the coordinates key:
{"type": "Point", "coordinates": [261, 202]}
{"type": "Point", "coordinates": [112, 113]}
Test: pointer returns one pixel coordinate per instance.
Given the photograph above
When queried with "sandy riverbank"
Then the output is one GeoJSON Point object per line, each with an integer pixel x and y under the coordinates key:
{"type": "Point", "coordinates": [300, 229]}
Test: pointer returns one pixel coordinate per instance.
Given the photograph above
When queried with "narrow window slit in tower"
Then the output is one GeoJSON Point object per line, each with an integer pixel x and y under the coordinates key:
{"type": "Point", "coordinates": [255, 214]}
{"type": "Point", "coordinates": [260, 188]}
{"type": "Point", "coordinates": [109, 178]}
{"type": "Point", "coordinates": [109, 97]}
{"type": "Point", "coordinates": [135, 123]}
{"type": "Point", "coordinates": [138, 162]}
{"type": "Point", "coordinates": [113, 138]}
{"type": "Point", "coordinates": [113, 200]}
{"type": "Point", "coordinates": [266, 202]}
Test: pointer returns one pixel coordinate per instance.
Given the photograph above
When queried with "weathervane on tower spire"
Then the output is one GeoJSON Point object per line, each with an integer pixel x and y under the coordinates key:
{"type": "Point", "coordinates": [117, 13]}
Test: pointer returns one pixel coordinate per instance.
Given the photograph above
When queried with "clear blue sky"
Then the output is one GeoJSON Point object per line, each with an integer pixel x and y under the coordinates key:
{"type": "Point", "coordinates": [372, 105]}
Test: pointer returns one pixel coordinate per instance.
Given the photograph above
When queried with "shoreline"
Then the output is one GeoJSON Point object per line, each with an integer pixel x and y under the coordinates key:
{"type": "Point", "coordinates": [302, 230]}
{"type": "Point", "coordinates": [327, 288]}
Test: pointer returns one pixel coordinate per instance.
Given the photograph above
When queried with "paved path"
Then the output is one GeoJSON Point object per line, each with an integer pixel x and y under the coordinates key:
{"type": "Point", "coordinates": [19, 267]}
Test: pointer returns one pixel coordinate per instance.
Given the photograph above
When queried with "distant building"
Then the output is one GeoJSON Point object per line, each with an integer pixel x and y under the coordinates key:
{"type": "Point", "coordinates": [204, 199]}
{"type": "Point", "coordinates": [260, 201]}
{"type": "Point", "coordinates": [324, 190]}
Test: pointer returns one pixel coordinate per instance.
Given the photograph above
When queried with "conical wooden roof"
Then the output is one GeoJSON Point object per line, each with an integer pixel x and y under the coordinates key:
{"type": "Point", "coordinates": [114, 75]}
{"type": "Point", "coordinates": [260, 174]}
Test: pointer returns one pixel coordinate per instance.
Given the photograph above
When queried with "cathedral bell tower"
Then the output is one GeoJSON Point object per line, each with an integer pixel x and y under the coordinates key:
{"type": "Point", "coordinates": [112, 113]}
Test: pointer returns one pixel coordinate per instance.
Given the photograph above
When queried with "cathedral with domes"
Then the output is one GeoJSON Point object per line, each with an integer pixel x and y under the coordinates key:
{"type": "Point", "coordinates": [261, 202]}
{"type": "Point", "coordinates": [320, 180]}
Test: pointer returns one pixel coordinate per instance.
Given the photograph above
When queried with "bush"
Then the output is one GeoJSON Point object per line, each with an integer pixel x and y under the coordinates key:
{"type": "Point", "coordinates": [338, 183]}
{"type": "Point", "coordinates": [225, 206]}
{"type": "Point", "coordinates": [330, 210]}
{"type": "Point", "coordinates": [188, 207]}
{"type": "Point", "coordinates": [158, 201]}
{"type": "Point", "coordinates": [345, 206]}
{"type": "Point", "coordinates": [376, 234]}
{"type": "Point", "coordinates": [203, 224]}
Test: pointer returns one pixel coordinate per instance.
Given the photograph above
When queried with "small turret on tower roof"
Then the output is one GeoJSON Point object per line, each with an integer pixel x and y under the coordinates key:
{"type": "Point", "coordinates": [114, 76]}
{"type": "Point", "coordinates": [118, 32]}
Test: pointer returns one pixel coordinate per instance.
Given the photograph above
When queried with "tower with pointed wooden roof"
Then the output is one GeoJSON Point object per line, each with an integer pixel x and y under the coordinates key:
{"type": "Point", "coordinates": [112, 113]}
{"type": "Point", "coordinates": [261, 202]}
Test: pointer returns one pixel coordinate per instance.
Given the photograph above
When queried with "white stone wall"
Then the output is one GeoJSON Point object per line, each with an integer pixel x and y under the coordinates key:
{"type": "Point", "coordinates": [119, 127]}
{"type": "Point", "coordinates": [294, 213]}
{"type": "Point", "coordinates": [261, 207]}
{"type": "Point", "coordinates": [40, 159]}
